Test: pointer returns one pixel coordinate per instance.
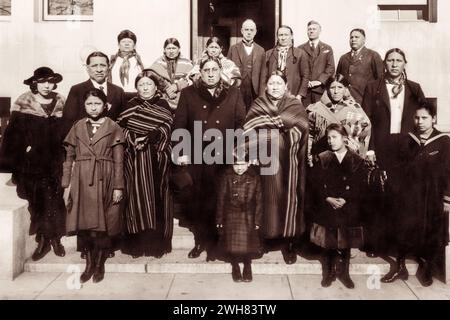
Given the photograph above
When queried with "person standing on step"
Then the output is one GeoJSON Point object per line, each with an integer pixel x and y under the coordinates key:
{"type": "Point", "coordinates": [126, 64]}
{"type": "Point", "coordinates": [390, 103]}
{"type": "Point", "coordinates": [239, 217]}
{"type": "Point", "coordinates": [249, 58]}
{"type": "Point", "coordinates": [337, 189]}
{"type": "Point", "coordinates": [209, 104]}
{"type": "Point", "coordinates": [425, 196]}
{"type": "Point", "coordinates": [32, 149]}
{"type": "Point", "coordinates": [291, 61]}
{"type": "Point", "coordinates": [360, 66]}
{"type": "Point", "coordinates": [321, 63]}
{"type": "Point", "coordinates": [94, 182]}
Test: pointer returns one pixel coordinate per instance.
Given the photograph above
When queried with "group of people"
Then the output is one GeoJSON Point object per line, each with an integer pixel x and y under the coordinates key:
{"type": "Point", "coordinates": [360, 164]}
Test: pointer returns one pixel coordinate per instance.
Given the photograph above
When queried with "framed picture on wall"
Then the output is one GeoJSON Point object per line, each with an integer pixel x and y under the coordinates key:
{"type": "Point", "coordinates": [5, 10]}
{"type": "Point", "coordinates": [64, 10]}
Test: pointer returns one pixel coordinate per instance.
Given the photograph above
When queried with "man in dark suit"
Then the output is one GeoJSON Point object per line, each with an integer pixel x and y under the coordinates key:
{"type": "Point", "coordinates": [360, 65]}
{"type": "Point", "coordinates": [321, 63]}
{"type": "Point", "coordinates": [97, 66]}
{"type": "Point", "coordinates": [249, 57]}
{"type": "Point", "coordinates": [292, 61]}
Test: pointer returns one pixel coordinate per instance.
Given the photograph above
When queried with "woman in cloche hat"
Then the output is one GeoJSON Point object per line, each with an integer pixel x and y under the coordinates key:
{"type": "Point", "coordinates": [33, 151]}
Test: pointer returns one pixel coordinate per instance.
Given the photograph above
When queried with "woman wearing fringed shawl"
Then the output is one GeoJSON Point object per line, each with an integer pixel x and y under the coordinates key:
{"type": "Point", "coordinates": [126, 64]}
{"type": "Point", "coordinates": [147, 123]}
{"type": "Point", "coordinates": [32, 148]}
{"type": "Point", "coordinates": [173, 70]}
{"type": "Point", "coordinates": [337, 106]}
{"type": "Point", "coordinates": [230, 73]}
{"type": "Point", "coordinates": [283, 190]}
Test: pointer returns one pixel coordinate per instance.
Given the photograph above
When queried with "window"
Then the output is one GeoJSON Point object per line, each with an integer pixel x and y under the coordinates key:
{"type": "Point", "coordinates": [408, 10]}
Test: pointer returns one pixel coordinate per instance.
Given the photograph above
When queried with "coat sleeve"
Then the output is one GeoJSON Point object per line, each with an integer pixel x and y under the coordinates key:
{"type": "Point", "coordinates": [377, 66]}
{"type": "Point", "coordinates": [304, 74]}
{"type": "Point", "coordinates": [264, 73]}
{"type": "Point", "coordinates": [181, 114]}
{"type": "Point", "coordinates": [446, 177]}
{"type": "Point", "coordinates": [259, 202]}
{"type": "Point", "coordinates": [70, 111]}
{"type": "Point", "coordinates": [366, 105]}
{"type": "Point", "coordinates": [221, 195]}
{"type": "Point", "coordinates": [339, 67]}
{"type": "Point", "coordinates": [329, 68]}
{"type": "Point", "coordinates": [311, 131]}
{"type": "Point", "coordinates": [70, 145]}
{"type": "Point", "coordinates": [13, 144]}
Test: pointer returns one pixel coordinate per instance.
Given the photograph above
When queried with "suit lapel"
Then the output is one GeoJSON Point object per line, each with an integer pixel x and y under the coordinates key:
{"type": "Point", "coordinates": [408, 109]}
{"type": "Point", "coordinates": [241, 52]}
{"type": "Point", "coordinates": [384, 95]}
{"type": "Point", "coordinates": [308, 49]}
{"type": "Point", "coordinates": [83, 136]}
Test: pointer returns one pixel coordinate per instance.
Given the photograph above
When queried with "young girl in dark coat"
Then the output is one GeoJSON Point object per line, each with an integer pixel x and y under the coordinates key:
{"type": "Point", "coordinates": [239, 217]}
{"type": "Point", "coordinates": [338, 185]}
{"type": "Point", "coordinates": [94, 172]}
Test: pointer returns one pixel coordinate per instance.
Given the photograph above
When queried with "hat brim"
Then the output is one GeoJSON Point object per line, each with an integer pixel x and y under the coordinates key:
{"type": "Point", "coordinates": [53, 78]}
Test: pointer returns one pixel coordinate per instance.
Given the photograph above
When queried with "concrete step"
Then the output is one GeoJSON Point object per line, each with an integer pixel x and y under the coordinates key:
{"type": "Point", "coordinates": [178, 262]}
{"type": "Point", "coordinates": [182, 239]}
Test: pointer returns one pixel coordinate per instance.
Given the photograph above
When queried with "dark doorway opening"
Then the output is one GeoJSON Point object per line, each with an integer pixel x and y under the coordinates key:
{"type": "Point", "coordinates": [224, 18]}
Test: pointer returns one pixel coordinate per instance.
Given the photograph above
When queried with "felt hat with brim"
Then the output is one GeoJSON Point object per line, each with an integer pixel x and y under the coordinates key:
{"type": "Point", "coordinates": [44, 73]}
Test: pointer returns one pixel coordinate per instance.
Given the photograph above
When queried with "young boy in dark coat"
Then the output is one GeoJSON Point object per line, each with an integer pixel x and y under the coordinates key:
{"type": "Point", "coordinates": [239, 217]}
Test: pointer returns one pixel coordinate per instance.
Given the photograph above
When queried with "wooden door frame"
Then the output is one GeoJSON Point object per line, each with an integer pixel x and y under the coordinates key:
{"type": "Point", "coordinates": [194, 25]}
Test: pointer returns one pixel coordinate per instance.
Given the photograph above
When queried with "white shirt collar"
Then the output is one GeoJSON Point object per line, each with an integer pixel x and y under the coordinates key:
{"type": "Point", "coordinates": [103, 85]}
{"type": "Point", "coordinates": [316, 42]}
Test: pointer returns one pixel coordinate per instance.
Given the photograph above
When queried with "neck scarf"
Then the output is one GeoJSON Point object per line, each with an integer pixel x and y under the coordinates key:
{"type": "Point", "coordinates": [282, 57]}
{"type": "Point", "coordinates": [398, 85]}
{"type": "Point", "coordinates": [95, 123]}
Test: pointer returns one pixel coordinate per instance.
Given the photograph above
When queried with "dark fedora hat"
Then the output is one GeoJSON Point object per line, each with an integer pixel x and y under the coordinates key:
{"type": "Point", "coordinates": [44, 73]}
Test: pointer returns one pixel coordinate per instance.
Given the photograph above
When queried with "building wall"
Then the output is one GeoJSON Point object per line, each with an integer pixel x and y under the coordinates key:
{"type": "Point", "coordinates": [27, 43]}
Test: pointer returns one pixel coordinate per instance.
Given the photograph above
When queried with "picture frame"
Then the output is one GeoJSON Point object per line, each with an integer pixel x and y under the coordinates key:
{"type": "Point", "coordinates": [67, 10]}
{"type": "Point", "coordinates": [5, 10]}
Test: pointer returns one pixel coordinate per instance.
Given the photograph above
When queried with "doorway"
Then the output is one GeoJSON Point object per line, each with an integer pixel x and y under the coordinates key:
{"type": "Point", "coordinates": [223, 19]}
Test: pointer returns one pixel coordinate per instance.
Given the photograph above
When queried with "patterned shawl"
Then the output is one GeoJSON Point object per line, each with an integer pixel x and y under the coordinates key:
{"type": "Point", "coordinates": [179, 76]}
{"type": "Point", "coordinates": [125, 67]}
{"type": "Point", "coordinates": [151, 119]}
{"type": "Point", "coordinates": [348, 113]}
{"type": "Point", "coordinates": [230, 72]}
{"type": "Point", "coordinates": [290, 118]}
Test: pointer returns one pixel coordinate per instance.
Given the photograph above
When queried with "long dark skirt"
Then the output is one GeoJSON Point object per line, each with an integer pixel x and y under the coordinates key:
{"type": "Point", "coordinates": [46, 204]}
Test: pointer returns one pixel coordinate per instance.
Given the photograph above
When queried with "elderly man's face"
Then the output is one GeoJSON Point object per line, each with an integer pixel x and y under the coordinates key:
{"type": "Point", "coordinates": [285, 37]}
{"type": "Point", "coordinates": [314, 31]}
{"type": "Point", "coordinates": [248, 31]}
{"type": "Point", "coordinates": [98, 69]}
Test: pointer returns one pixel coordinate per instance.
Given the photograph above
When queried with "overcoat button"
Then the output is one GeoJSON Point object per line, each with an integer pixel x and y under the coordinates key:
{"type": "Point", "coordinates": [218, 122]}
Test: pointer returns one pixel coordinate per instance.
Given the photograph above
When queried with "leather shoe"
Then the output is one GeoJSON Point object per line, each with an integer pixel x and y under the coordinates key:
{"type": "Point", "coordinates": [247, 273]}
{"type": "Point", "coordinates": [400, 272]}
{"type": "Point", "coordinates": [236, 273]}
{"type": "Point", "coordinates": [424, 273]}
{"type": "Point", "coordinates": [196, 252]}
{"type": "Point", "coordinates": [89, 270]}
{"type": "Point", "coordinates": [58, 248]}
{"type": "Point", "coordinates": [42, 249]}
{"type": "Point", "coordinates": [99, 272]}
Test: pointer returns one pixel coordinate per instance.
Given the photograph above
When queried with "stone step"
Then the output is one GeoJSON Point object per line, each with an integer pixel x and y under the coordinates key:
{"type": "Point", "coordinates": [178, 262]}
{"type": "Point", "coordinates": [182, 239]}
